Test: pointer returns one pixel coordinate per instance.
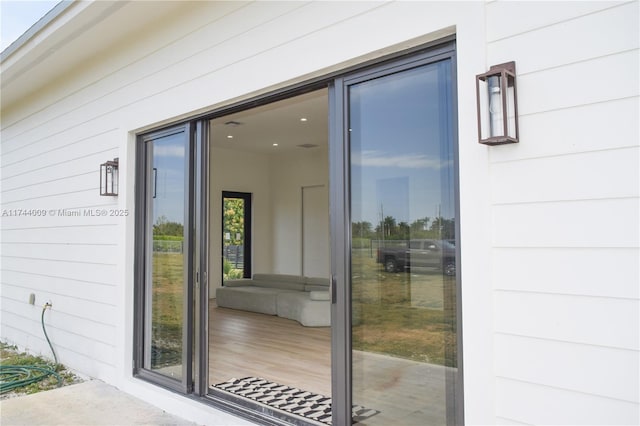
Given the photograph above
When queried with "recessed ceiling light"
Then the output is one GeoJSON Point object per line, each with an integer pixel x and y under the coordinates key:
{"type": "Point", "coordinates": [303, 119]}
{"type": "Point", "coordinates": [229, 136]}
{"type": "Point", "coordinates": [275, 144]}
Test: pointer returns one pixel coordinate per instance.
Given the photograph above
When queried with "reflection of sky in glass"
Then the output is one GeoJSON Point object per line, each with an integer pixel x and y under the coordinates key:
{"type": "Point", "coordinates": [168, 161]}
{"type": "Point", "coordinates": [400, 130]}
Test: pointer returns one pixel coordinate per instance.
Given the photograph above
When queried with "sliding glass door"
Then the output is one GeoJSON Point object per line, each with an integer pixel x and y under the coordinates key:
{"type": "Point", "coordinates": [399, 278]}
{"type": "Point", "coordinates": [166, 255]}
{"type": "Point", "coordinates": [394, 289]}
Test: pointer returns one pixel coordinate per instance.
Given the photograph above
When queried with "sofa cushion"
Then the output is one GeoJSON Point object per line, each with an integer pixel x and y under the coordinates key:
{"type": "Point", "coordinates": [299, 307]}
{"type": "Point", "coordinates": [319, 295]}
{"type": "Point", "coordinates": [316, 284]}
{"type": "Point", "coordinates": [249, 298]}
{"type": "Point", "coordinates": [282, 281]}
{"type": "Point", "coordinates": [238, 283]}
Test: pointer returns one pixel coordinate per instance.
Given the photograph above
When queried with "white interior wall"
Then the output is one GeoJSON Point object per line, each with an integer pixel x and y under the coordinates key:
{"type": "Point", "coordinates": [289, 173]}
{"type": "Point", "coordinates": [276, 181]}
{"type": "Point", "coordinates": [315, 231]}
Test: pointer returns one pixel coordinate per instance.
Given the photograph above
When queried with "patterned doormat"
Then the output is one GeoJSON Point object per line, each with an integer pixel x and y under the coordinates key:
{"type": "Point", "coordinates": [305, 404]}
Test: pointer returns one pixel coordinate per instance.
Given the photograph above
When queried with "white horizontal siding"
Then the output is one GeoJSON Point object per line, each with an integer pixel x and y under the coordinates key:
{"type": "Point", "coordinates": [546, 179]}
{"type": "Point", "coordinates": [589, 271]}
{"type": "Point", "coordinates": [595, 370]}
{"type": "Point", "coordinates": [571, 41]}
{"type": "Point", "coordinates": [508, 19]}
{"type": "Point", "coordinates": [69, 308]}
{"type": "Point", "coordinates": [550, 134]}
{"type": "Point", "coordinates": [579, 84]}
{"type": "Point", "coordinates": [100, 254]}
{"type": "Point", "coordinates": [569, 318]}
{"type": "Point", "coordinates": [65, 232]}
{"type": "Point", "coordinates": [566, 227]}
{"type": "Point", "coordinates": [75, 270]}
{"type": "Point", "coordinates": [591, 223]}
{"type": "Point", "coordinates": [96, 358]}
{"type": "Point", "coordinates": [548, 405]}
{"type": "Point", "coordinates": [74, 145]}
{"type": "Point", "coordinates": [62, 338]}
{"type": "Point", "coordinates": [46, 285]}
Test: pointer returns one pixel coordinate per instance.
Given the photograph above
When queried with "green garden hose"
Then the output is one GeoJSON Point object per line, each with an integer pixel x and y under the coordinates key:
{"type": "Point", "coordinates": [16, 376]}
{"type": "Point", "coordinates": [44, 330]}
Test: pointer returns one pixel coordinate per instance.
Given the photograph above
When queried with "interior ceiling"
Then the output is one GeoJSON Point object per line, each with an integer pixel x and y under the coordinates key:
{"type": "Point", "coordinates": [258, 129]}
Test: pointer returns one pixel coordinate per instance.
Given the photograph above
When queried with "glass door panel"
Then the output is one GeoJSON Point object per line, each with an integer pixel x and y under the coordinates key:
{"type": "Point", "coordinates": [167, 256]}
{"type": "Point", "coordinates": [403, 259]}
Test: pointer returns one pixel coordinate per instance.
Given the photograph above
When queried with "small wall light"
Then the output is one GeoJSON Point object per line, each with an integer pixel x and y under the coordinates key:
{"type": "Point", "coordinates": [497, 105]}
{"type": "Point", "coordinates": [109, 178]}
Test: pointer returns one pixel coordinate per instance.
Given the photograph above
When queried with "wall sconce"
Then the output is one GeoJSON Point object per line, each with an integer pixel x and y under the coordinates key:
{"type": "Point", "coordinates": [109, 178]}
{"type": "Point", "coordinates": [497, 105]}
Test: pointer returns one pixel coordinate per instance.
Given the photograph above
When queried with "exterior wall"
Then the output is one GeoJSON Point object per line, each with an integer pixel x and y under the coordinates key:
{"type": "Point", "coordinates": [549, 297]}
{"type": "Point", "coordinates": [565, 215]}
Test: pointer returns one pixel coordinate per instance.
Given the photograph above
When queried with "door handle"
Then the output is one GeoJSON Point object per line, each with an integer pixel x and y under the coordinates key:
{"type": "Point", "coordinates": [155, 181]}
{"type": "Point", "coordinates": [332, 289]}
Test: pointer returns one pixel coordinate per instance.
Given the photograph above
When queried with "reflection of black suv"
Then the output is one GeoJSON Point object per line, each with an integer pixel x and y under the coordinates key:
{"type": "Point", "coordinates": [422, 253]}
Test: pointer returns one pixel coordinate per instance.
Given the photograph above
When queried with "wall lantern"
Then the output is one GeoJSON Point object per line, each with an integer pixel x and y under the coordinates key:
{"type": "Point", "coordinates": [497, 105]}
{"type": "Point", "coordinates": [109, 178]}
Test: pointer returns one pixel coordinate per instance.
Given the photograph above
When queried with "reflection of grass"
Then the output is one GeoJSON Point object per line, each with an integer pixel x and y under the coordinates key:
{"type": "Point", "coordinates": [409, 315]}
{"type": "Point", "coordinates": [167, 300]}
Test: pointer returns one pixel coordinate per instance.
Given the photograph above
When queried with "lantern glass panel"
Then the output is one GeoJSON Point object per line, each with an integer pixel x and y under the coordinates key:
{"type": "Point", "coordinates": [483, 111]}
{"type": "Point", "coordinates": [496, 118]}
{"type": "Point", "coordinates": [511, 110]}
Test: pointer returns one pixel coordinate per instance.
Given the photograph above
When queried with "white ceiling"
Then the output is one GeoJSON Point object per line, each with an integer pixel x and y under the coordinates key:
{"type": "Point", "coordinates": [276, 123]}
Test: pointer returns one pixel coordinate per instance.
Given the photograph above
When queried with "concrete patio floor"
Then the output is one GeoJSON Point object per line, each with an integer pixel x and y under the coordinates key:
{"type": "Point", "coordinates": [88, 403]}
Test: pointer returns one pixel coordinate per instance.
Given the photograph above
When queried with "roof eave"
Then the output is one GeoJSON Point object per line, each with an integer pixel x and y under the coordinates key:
{"type": "Point", "coordinates": [35, 29]}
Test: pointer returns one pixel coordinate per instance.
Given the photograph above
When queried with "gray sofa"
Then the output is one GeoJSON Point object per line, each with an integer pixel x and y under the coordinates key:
{"type": "Point", "coordinates": [303, 299]}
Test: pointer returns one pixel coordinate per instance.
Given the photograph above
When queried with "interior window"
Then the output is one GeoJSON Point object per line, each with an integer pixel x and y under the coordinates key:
{"type": "Point", "coordinates": [236, 235]}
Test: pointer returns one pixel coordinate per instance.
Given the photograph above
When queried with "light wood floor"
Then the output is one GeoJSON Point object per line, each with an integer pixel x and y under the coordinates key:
{"type": "Point", "coordinates": [245, 344]}
{"type": "Point", "coordinates": [242, 344]}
